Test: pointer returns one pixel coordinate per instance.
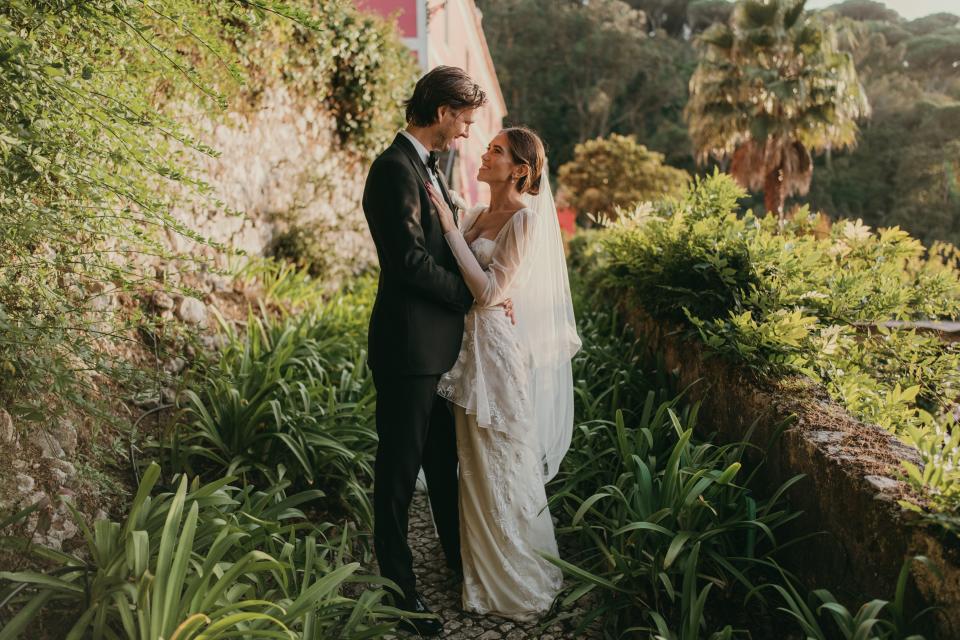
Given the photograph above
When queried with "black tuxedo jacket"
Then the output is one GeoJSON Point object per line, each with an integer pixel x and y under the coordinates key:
{"type": "Point", "coordinates": [417, 322]}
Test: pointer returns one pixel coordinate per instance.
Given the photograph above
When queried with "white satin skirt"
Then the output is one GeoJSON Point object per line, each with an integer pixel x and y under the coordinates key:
{"type": "Point", "coordinates": [504, 524]}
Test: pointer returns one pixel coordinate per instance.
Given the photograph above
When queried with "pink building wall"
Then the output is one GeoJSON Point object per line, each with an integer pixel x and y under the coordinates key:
{"type": "Point", "coordinates": [404, 12]}
{"type": "Point", "coordinates": [449, 32]}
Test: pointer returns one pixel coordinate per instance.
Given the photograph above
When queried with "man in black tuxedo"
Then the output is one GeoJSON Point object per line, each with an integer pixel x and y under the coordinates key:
{"type": "Point", "coordinates": [416, 328]}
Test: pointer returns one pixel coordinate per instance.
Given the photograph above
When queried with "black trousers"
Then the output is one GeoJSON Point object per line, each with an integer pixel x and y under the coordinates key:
{"type": "Point", "coordinates": [416, 429]}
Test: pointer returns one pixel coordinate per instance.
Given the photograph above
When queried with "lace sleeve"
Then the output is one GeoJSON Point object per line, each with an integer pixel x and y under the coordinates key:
{"type": "Point", "coordinates": [489, 287]}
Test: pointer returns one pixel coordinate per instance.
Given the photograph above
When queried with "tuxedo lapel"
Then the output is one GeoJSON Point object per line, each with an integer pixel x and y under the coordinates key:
{"type": "Point", "coordinates": [446, 195]}
{"type": "Point", "coordinates": [407, 147]}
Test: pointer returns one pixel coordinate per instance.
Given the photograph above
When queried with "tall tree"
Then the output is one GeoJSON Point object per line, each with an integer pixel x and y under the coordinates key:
{"type": "Point", "coordinates": [772, 88]}
{"type": "Point", "coordinates": [865, 10]}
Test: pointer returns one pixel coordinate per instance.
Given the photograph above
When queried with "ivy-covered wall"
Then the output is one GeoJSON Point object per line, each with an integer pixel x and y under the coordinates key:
{"type": "Point", "coordinates": [322, 95]}
{"type": "Point", "coordinates": [141, 144]}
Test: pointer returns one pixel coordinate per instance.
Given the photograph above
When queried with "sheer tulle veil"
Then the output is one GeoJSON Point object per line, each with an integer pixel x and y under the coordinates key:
{"type": "Point", "coordinates": [546, 326]}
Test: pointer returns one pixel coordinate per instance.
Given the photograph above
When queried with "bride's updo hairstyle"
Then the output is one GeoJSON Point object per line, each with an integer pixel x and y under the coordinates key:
{"type": "Point", "coordinates": [527, 148]}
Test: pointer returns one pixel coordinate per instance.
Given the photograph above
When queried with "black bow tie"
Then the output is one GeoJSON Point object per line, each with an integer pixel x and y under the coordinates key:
{"type": "Point", "coordinates": [432, 161]}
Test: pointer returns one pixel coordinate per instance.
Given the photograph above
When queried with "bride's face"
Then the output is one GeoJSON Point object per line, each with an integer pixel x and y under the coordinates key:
{"type": "Point", "coordinates": [497, 165]}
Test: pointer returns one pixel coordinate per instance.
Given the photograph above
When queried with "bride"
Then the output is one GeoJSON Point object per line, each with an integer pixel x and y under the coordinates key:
{"type": "Point", "coordinates": [511, 388]}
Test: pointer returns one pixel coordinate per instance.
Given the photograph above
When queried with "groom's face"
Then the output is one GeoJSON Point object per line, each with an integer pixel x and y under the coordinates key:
{"type": "Point", "coordinates": [453, 124]}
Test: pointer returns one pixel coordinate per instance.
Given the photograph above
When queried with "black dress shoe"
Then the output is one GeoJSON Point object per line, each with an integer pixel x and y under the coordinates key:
{"type": "Point", "coordinates": [420, 626]}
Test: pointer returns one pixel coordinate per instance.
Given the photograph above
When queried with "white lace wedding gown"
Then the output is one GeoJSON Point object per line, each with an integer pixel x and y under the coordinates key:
{"type": "Point", "coordinates": [504, 521]}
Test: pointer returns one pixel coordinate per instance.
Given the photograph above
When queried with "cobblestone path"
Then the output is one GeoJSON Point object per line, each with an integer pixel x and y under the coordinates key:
{"type": "Point", "coordinates": [435, 583]}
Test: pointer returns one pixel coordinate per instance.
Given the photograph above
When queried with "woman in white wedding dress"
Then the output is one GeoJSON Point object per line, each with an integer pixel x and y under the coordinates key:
{"type": "Point", "coordinates": [511, 387]}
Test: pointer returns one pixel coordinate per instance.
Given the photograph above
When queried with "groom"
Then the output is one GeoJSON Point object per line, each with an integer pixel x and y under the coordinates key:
{"type": "Point", "coordinates": [416, 328]}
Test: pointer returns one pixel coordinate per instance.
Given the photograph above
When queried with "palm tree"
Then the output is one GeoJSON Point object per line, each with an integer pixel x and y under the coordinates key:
{"type": "Point", "coordinates": [771, 88]}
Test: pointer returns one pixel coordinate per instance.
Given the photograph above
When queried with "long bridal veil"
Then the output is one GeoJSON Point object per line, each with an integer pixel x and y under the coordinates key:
{"type": "Point", "coordinates": [546, 325]}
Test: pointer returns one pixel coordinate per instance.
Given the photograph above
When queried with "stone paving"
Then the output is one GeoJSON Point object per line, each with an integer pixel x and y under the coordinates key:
{"type": "Point", "coordinates": [435, 583]}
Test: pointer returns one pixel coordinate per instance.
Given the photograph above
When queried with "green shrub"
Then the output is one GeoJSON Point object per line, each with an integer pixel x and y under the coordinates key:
{"type": "Point", "coordinates": [608, 173]}
{"type": "Point", "coordinates": [796, 301]}
{"type": "Point", "coordinates": [303, 246]}
{"type": "Point", "coordinates": [349, 61]}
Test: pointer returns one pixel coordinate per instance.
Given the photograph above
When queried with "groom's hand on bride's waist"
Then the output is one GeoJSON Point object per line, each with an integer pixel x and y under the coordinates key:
{"type": "Point", "coordinates": [508, 310]}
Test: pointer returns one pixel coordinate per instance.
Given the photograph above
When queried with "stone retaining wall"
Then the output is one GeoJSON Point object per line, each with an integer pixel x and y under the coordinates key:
{"type": "Point", "coordinates": [850, 491]}
{"type": "Point", "coordinates": [279, 163]}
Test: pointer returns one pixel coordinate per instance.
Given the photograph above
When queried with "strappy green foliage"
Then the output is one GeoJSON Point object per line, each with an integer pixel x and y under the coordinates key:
{"type": "Point", "coordinates": [204, 561]}
{"type": "Point", "coordinates": [671, 542]}
{"type": "Point", "coordinates": [666, 525]}
{"type": "Point", "coordinates": [293, 390]}
{"type": "Point", "coordinates": [874, 620]}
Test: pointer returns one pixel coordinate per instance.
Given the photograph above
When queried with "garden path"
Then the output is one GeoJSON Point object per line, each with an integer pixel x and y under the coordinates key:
{"type": "Point", "coordinates": [443, 596]}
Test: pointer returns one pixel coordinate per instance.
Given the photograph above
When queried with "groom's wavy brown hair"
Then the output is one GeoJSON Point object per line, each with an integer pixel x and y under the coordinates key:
{"type": "Point", "coordinates": [442, 86]}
